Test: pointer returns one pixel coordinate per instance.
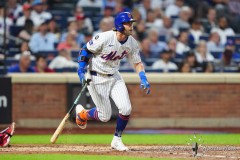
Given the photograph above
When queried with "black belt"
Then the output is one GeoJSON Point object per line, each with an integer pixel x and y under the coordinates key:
{"type": "Point", "coordinates": [94, 73]}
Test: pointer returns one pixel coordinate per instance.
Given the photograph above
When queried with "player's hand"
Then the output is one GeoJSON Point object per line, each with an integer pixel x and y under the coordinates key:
{"type": "Point", "coordinates": [145, 85]}
{"type": "Point", "coordinates": [81, 75]}
{"type": "Point", "coordinates": [144, 82]}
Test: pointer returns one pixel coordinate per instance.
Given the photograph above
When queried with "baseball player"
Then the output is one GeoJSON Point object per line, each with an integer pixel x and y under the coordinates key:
{"type": "Point", "coordinates": [102, 56]}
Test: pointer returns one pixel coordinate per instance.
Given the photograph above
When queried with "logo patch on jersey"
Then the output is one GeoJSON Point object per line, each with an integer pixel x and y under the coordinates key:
{"type": "Point", "coordinates": [97, 36]}
{"type": "Point", "coordinates": [112, 56]}
{"type": "Point", "coordinates": [90, 42]}
{"type": "Point", "coordinates": [110, 45]}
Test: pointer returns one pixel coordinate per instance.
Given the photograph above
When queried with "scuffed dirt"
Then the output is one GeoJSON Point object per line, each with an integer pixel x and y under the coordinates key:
{"type": "Point", "coordinates": [157, 151]}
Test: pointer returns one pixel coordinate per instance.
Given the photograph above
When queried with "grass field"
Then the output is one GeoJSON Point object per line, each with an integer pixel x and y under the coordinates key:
{"type": "Point", "coordinates": [105, 139]}
{"type": "Point", "coordinates": [211, 139]}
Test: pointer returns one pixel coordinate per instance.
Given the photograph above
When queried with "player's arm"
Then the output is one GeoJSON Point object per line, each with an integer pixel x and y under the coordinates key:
{"type": "Point", "coordinates": [83, 60]}
{"type": "Point", "coordinates": [139, 67]}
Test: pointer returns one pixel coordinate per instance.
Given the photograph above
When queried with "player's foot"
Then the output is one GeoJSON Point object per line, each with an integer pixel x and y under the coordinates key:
{"type": "Point", "coordinates": [80, 112]}
{"type": "Point", "coordinates": [118, 144]}
{"type": "Point", "coordinates": [7, 134]}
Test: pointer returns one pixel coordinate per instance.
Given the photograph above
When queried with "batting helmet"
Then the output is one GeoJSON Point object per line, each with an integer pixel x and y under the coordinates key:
{"type": "Point", "coordinates": [122, 18]}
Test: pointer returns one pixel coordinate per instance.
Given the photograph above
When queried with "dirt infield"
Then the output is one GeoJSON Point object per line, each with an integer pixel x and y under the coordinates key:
{"type": "Point", "coordinates": [156, 151]}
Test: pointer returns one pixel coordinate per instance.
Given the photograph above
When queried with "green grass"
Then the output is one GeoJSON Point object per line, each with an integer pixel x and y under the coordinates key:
{"type": "Point", "coordinates": [70, 157]}
{"type": "Point", "coordinates": [160, 139]}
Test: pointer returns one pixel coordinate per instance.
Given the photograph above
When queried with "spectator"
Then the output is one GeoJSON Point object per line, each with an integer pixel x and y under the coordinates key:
{"type": "Point", "coordinates": [223, 30]}
{"type": "Point", "coordinates": [210, 22]}
{"type": "Point", "coordinates": [72, 27]}
{"type": "Point", "coordinates": [41, 64]}
{"type": "Point", "coordinates": [53, 28]}
{"type": "Point", "coordinates": [27, 31]}
{"type": "Point", "coordinates": [145, 49]}
{"type": "Point", "coordinates": [42, 40]}
{"type": "Point", "coordinates": [164, 63]}
{"type": "Point", "coordinates": [202, 54]}
{"type": "Point", "coordinates": [227, 61]}
{"type": "Point", "coordinates": [166, 30]}
{"type": "Point", "coordinates": [196, 30]}
{"type": "Point", "coordinates": [230, 45]}
{"type": "Point", "coordinates": [152, 21]}
{"type": "Point", "coordinates": [63, 60]}
{"type": "Point", "coordinates": [156, 47]}
{"type": "Point", "coordinates": [144, 7]}
{"type": "Point", "coordinates": [70, 43]}
{"type": "Point", "coordinates": [173, 10]}
{"type": "Point", "coordinates": [182, 22]}
{"type": "Point", "coordinates": [182, 44]}
{"type": "Point", "coordinates": [14, 9]}
{"type": "Point", "coordinates": [141, 30]}
{"type": "Point", "coordinates": [24, 65]}
{"type": "Point", "coordinates": [84, 23]}
{"type": "Point", "coordinates": [106, 24]}
{"type": "Point", "coordinates": [214, 45]}
{"type": "Point", "coordinates": [172, 46]}
{"type": "Point", "coordinates": [38, 15]}
{"type": "Point", "coordinates": [9, 23]}
{"type": "Point", "coordinates": [190, 63]}
{"type": "Point", "coordinates": [26, 15]}
{"type": "Point", "coordinates": [24, 47]}
{"type": "Point", "coordinates": [108, 11]}
{"type": "Point", "coordinates": [90, 3]}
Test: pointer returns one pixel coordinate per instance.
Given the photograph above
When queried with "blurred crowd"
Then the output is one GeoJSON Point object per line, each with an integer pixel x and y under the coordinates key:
{"type": "Point", "coordinates": [173, 35]}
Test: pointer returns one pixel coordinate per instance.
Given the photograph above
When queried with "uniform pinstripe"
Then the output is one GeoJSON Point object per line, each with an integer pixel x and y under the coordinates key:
{"type": "Point", "coordinates": [107, 54]}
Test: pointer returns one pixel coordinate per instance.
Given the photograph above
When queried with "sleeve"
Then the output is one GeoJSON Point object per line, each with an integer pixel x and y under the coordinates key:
{"type": "Point", "coordinates": [96, 44]}
{"type": "Point", "coordinates": [134, 56]}
{"type": "Point", "coordinates": [33, 44]}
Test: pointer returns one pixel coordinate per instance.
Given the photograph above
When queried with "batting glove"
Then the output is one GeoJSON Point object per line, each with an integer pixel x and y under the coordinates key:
{"type": "Point", "coordinates": [144, 82]}
{"type": "Point", "coordinates": [81, 75]}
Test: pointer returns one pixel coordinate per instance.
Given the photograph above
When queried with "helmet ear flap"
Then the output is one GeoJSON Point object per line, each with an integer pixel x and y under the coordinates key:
{"type": "Point", "coordinates": [120, 27]}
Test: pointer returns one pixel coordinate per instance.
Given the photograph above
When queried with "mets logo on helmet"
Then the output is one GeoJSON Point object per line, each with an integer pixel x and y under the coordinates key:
{"type": "Point", "coordinates": [129, 15]}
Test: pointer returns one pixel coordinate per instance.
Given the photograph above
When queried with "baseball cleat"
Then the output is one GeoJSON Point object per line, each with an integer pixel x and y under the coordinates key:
{"type": "Point", "coordinates": [117, 144]}
{"type": "Point", "coordinates": [79, 121]}
{"type": "Point", "coordinates": [7, 134]}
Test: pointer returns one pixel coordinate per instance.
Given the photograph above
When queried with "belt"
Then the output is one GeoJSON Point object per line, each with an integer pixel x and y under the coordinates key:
{"type": "Point", "coordinates": [94, 73]}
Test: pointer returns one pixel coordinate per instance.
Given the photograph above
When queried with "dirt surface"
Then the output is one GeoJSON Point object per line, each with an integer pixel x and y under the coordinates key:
{"type": "Point", "coordinates": [204, 152]}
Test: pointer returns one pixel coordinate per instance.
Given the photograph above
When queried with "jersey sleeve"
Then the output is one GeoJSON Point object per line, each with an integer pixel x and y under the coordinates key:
{"type": "Point", "coordinates": [96, 44]}
{"type": "Point", "coordinates": [134, 56]}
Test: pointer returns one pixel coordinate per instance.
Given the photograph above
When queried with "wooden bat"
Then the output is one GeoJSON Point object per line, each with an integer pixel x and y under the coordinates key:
{"type": "Point", "coordinates": [63, 122]}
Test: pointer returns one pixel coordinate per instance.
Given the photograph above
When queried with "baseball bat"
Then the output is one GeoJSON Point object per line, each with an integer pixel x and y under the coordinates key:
{"type": "Point", "coordinates": [63, 122]}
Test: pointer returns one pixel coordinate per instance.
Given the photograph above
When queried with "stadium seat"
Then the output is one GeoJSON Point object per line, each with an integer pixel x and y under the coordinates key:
{"type": "Point", "coordinates": [15, 30]}
{"type": "Point", "coordinates": [67, 69]}
{"type": "Point", "coordinates": [162, 38]}
{"type": "Point", "coordinates": [217, 54]}
{"type": "Point", "coordinates": [50, 54]}
{"type": "Point", "coordinates": [150, 61]}
{"type": "Point", "coordinates": [231, 69]}
{"type": "Point", "coordinates": [149, 69]}
{"type": "Point", "coordinates": [204, 37]}
{"type": "Point", "coordinates": [91, 11]}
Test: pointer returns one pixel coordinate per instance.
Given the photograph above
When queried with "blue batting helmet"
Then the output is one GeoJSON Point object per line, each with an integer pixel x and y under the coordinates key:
{"type": "Point", "coordinates": [122, 18]}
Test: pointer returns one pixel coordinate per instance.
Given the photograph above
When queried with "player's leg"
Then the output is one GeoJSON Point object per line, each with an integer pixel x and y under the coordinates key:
{"type": "Point", "coordinates": [6, 134]}
{"type": "Point", "coordinates": [99, 90]}
{"type": "Point", "coordinates": [120, 96]}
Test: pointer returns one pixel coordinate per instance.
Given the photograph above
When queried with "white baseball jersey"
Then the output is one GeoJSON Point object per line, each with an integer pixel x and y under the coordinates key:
{"type": "Point", "coordinates": [107, 54]}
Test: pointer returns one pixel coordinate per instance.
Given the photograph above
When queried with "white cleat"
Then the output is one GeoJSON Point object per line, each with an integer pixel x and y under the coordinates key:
{"type": "Point", "coordinates": [117, 144]}
{"type": "Point", "coordinates": [81, 123]}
